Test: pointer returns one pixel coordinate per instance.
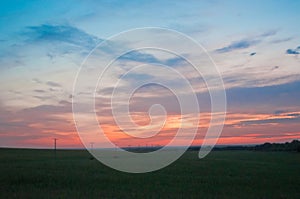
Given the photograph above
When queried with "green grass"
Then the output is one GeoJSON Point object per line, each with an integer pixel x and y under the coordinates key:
{"type": "Point", "coordinates": [222, 174]}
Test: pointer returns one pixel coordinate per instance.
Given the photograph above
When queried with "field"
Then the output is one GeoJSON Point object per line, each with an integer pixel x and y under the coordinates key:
{"type": "Point", "coordinates": [222, 174]}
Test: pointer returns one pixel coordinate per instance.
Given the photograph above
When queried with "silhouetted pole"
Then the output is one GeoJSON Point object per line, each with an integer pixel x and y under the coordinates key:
{"type": "Point", "coordinates": [92, 146]}
{"type": "Point", "coordinates": [55, 146]}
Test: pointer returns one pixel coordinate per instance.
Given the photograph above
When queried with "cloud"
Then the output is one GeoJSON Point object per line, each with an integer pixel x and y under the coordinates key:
{"type": "Point", "coordinates": [294, 114]}
{"type": "Point", "coordinates": [69, 39]}
{"type": "Point", "coordinates": [48, 83]}
{"type": "Point", "coordinates": [145, 57]}
{"type": "Point", "coordinates": [42, 98]}
{"type": "Point", "coordinates": [246, 43]}
{"type": "Point", "coordinates": [47, 110]}
{"type": "Point", "coordinates": [239, 79]}
{"type": "Point", "coordinates": [264, 98]}
{"type": "Point", "coordinates": [278, 112]}
{"type": "Point", "coordinates": [53, 84]}
{"type": "Point", "coordinates": [140, 57]}
{"type": "Point", "coordinates": [17, 127]}
{"type": "Point", "coordinates": [292, 52]}
{"type": "Point", "coordinates": [175, 61]}
{"type": "Point", "coordinates": [236, 45]}
{"type": "Point", "coordinates": [46, 40]}
{"type": "Point", "coordinates": [275, 41]}
{"type": "Point", "coordinates": [294, 119]}
{"type": "Point", "coordinates": [269, 33]}
{"type": "Point", "coordinates": [295, 51]}
{"type": "Point", "coordinates": [275, 67]}
{"type": "Point", "coordinates": [39, 91]}
{"type": "Point", "coordinates": [61, 33]}
{"type": "Point", "coordinates": [36, 80]}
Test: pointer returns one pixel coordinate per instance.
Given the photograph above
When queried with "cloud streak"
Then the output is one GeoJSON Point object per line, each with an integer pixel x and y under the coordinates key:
{"type": "Point", "coordinates": [246, 43]}
{"type": "Point", "coordinates": [61, 33]}
{"type": "Point", "coordinates": [286, 119]}
{"type": "Point", "coordinates": [237, 45]}
{"type": "Point", "coordinates": [53, 84]}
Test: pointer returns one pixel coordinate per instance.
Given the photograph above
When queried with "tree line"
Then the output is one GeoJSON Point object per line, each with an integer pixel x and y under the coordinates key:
{"type": "Point", "coordinates": [287, 146]}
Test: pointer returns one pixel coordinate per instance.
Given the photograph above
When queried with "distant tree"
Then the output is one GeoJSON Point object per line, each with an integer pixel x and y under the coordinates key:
{"type": "Point", "coordinates": [292, 146]}
{"type": "Point", "coordinates": [287, 146]}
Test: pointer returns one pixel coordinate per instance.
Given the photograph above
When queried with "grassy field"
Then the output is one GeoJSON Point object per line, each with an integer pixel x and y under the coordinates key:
{"type": "Point", "coordinates": [222, 174]}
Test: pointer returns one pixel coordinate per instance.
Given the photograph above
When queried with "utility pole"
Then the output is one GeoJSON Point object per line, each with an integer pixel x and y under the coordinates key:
{"type": "Point", "coordinates": [55, 139]}
{"type": "Point", "coordinates": [92, 146]}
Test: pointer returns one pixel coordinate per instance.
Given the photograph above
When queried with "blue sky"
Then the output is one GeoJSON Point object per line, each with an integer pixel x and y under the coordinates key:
{"type": "Point", "coordinates": [255, 44]}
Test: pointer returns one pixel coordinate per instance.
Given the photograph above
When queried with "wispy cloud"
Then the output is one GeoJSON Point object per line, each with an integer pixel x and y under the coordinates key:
{"type": "Point", "coordinates": [275, 41]}
{"type": "Point", "coordinates": [247, 42]}
{"type": "Point", "coordinates": [61, 33]}
{"type": "Point", "coordinates": [39, 91]}
{"type": "Point", "coordinates": [289, 118]}
{"type": "Point", "coordinates": [53, 84]}
{"type": "Point", "coordinates": [284, 95]}
{"type": "Point", "coordinates": [139, 57]}
{"type": "Point", "coordinates": [236, 45]}
{"type": "Point", "coordinates": [268, 33]}
{"type": "Point", "coordinates": [176, 61]}
{"type": "Point", "coordinates": [149, 58]}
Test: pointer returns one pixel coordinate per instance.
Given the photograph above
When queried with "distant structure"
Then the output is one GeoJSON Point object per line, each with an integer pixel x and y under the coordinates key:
{"type": "Point", "coordinates": [55, 139]}
{"type": "Point", "coordinates": [92, 146]}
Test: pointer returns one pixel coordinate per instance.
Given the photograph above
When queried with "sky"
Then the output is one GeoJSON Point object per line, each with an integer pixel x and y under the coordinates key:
{"type": "Point", "coordinates": [255, 45]}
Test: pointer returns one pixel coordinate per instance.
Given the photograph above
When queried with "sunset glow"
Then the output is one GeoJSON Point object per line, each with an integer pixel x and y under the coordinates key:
{"type": "Point", "coordinates": [255, 46]}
